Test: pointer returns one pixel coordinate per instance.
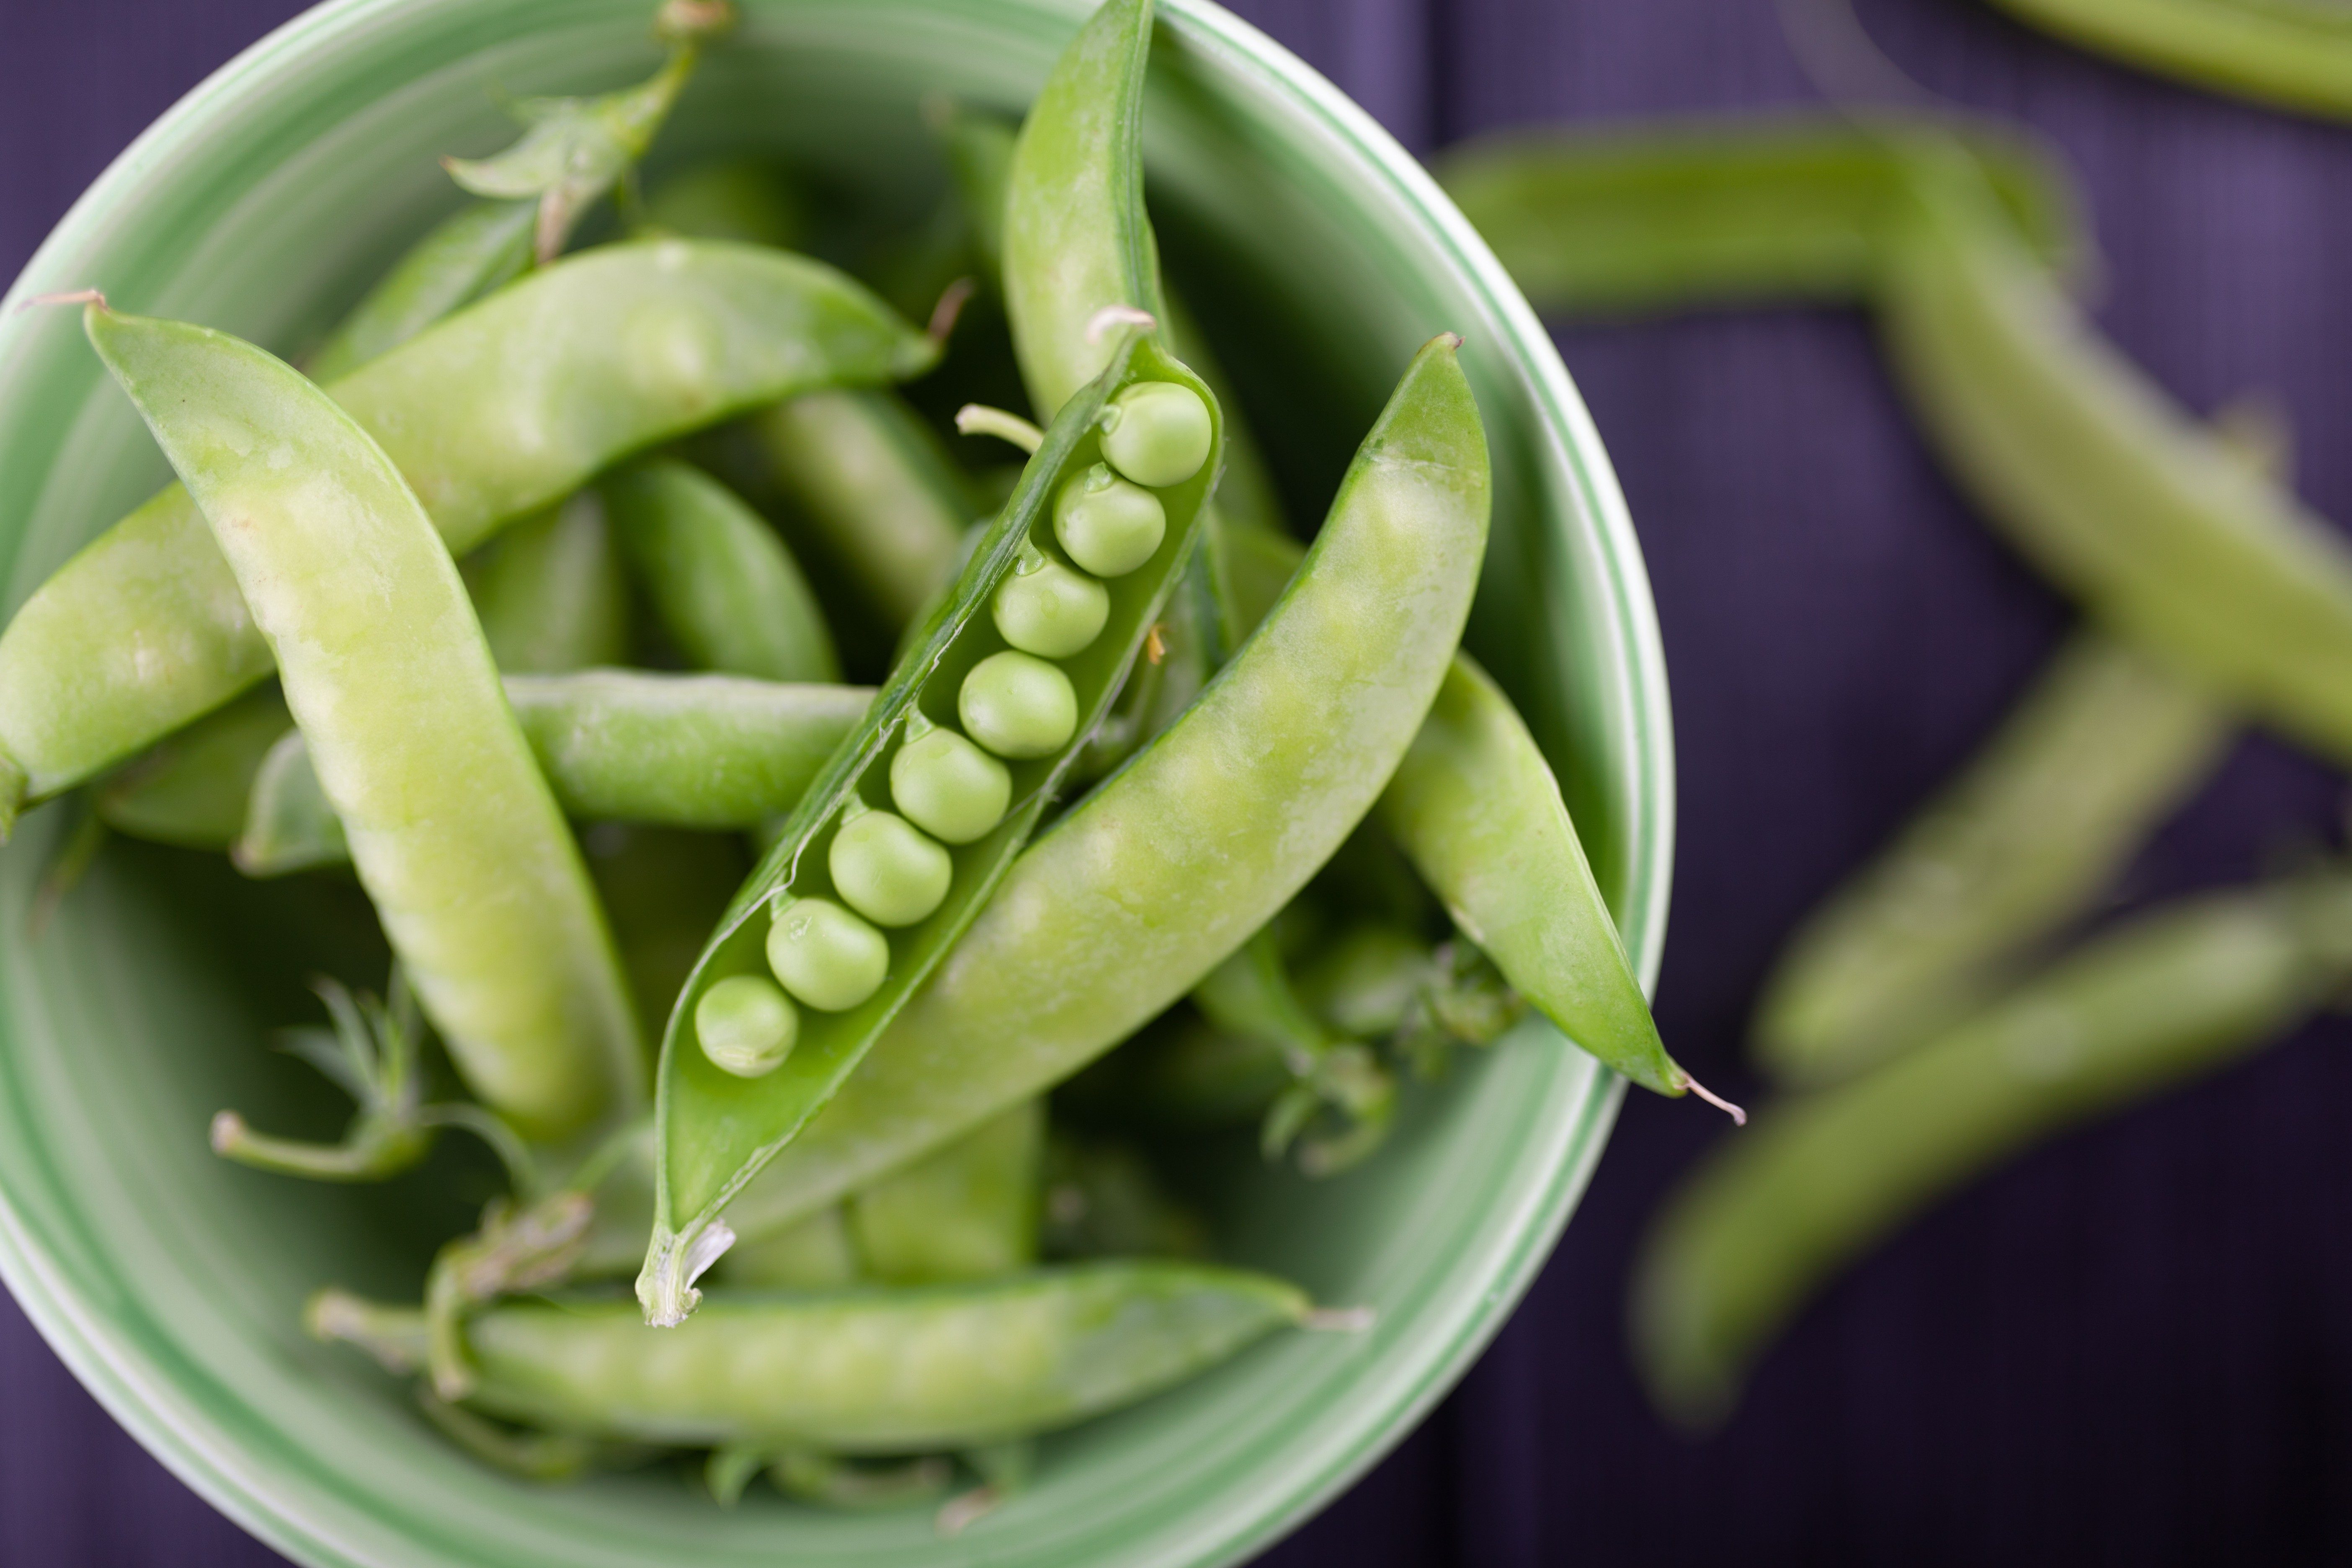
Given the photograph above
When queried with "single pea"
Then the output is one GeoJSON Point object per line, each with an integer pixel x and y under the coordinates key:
{"type": "Point", "coordinates": [1157, 433]}
{"type": "Point", "coordinates": [1108, 526]}
{"type": "Point", "coordinates": [746, 1025]}
{"type": "Point", "coordinates": [1017, 705]}
{"type": "Point", "coordinates": [887, 869]}
{"type": "Point", "coordinates": [948, 787]}
{"type": "Point", "coordinates": [1047, 609]}
{"type": "Point", "coordinates": [826, 956]}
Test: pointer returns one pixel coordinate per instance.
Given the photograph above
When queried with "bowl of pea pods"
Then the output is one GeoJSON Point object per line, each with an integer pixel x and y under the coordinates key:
{"type": "Point", "coordinates": [870, 781]}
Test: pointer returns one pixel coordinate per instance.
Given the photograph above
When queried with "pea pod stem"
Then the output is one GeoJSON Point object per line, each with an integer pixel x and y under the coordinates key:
{"type": "Point", "coordinates": [1819, 1179]}
{"type": "Point", "coordinates": [454, 833]}
{"type": "Point", "coordinates": [581, 363]}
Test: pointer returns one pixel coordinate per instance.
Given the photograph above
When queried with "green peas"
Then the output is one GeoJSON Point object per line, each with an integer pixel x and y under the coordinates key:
{"type": "Point", "coordinates": [746, 1025]}
{"type": "Point", "coordinates": [1047, 609]}
{"type": "Point", "coordinates": [1017, 705]}
{"type": "Point", "coordinates": [888, 870]}
{"type": "Point", "coordinates": [826, 956]}
{"type": "Point", "coordinates": [1157, 433]}
{"type": "Point", "coordinates": [1108, 526]}
{"type": "Point", "coordinates": [947, 786]}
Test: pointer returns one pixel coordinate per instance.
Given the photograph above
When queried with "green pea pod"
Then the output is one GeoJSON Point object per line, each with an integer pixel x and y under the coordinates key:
{"type": "Point", "coordinates": [969, 1212]}
{"type": "Point", "coordinates": [1672, 216]}
{"type": "Point", "coordinates": [496, 412]}
{"type": "Point", "coordinates": [552, 596]}
{"type": "Point", "coordinates": [720, 581]}
{"type": "Point", "coordinates": [715, 1126]}
{"type": "Point", "coordinates": [751, 200]}
{"type": "Point", "coordinates": [190, 788]}
{"type": "Point", "coordinates": [2291, 54]}
{"type": "Point", "coordinates": [1154, 878]}
{"type": "Point", "coordinates": [1780, 1208]}
{"type": "Point", "coordinates": [978, 149]}
{"type": "Point", "coordinates": [712, 752]}
{"type": "Point", "coordinates": [2104, 747]}
{"type": "Point", "coordinates": [872, 1371]}
{"type": "Point", "coordinates": [868, 478]}
{"type": "Point", "coordinates": [478, 249]}
{"type": "Point", "coordinates": [454, 833]}
{"type": "Point", "coordinates": [2121, 499]}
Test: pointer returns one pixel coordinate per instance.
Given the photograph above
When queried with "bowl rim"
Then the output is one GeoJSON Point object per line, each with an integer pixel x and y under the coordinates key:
{"type": "Point", "coordinates": [135, 1392]}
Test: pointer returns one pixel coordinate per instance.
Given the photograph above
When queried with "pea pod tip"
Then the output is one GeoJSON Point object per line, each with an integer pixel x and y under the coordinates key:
{"type": "Point", "coordinates": [66, 297]}
{"type": "Point", "coordinates": [1693, 1086]}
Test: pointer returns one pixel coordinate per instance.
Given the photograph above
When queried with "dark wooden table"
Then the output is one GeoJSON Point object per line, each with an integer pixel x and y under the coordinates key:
{"type": "Point", "coordinates": [2134, 1346]}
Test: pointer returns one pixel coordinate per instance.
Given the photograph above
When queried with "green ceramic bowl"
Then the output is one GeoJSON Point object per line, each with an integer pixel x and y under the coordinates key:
{"type": "Point", "coordinates": [170, 1281]}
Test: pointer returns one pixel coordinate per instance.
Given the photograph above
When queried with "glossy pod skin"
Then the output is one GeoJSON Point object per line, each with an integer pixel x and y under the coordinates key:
{"type": "Point", "coordinates": [2152, 524]}
{"type": "Point", "coordinates": [720, 581]}
{"type": "Point", "coordinates": [970, 1211]}
{"type": "Point", "coordinates": [454, 833]}
{"type": "Point", "coordinates": [2291, 54]}
{"type": "Point", "coordinates": [713, 1128]}
{"type": "Point", "coordinates": [2102, 748]}
{"type": "Point", "coordinates": [896, 1372]}
{"type": "Point", "coordinates": [497, 411]}
{"type": "Point", "coordinates": [1820, 1179]}
{"type": "Point", "coordinates": [1168, 865]}
{"type": "Point", "coordinates": [1695, 214]}
{"type": "Point", "coordinates": [712, 752]}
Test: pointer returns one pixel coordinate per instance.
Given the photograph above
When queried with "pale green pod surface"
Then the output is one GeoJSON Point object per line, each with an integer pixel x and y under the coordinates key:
{"type": "Point", "coordinates": [2293, 54]}
{"type": "Point", "coordinates": [454, 833]}
{"type": "Point", "coordinates": [1076, 237]}
{"type": "Point", "coordinates": [715, 752]}
{"type": "Point", "coordinates": [719, 578]}
{"type": "Point", "coordinates": [477, 248]}
{"type": "Point", "coordinates": [712, 752]}
{"type": "Point", "coordinates": [1684, 214]}
{"type": "Point", "coordinates": [969, 1212]}
{"type": "Point", "coordinates": [551, 597]}
{"type": "Point", "coordinates": [876, 1371]}
{"type": "Point", "coordinates": [189, 789]}
{"type": "Point", "coordinates": [2106, 745]}
{"type": "Point", "coordinates": [499, 410]}
{"type": "Point", "coordinates": [870, 482]}
{"type": "Point", "coordinates": [2103, 484]}
{"type": "Point", "coordinates": [1817, 1180]}
{"type": "Point", "coordinates": [715, 1132]}
{"type": "Point", "coordinates": [1477, 809]}
{"type": "Point", "coordinates": [1149, 882]}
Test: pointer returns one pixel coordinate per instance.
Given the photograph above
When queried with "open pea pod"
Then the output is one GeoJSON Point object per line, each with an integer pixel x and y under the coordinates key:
{"type": "Point", "coordinates": [744, 1063]}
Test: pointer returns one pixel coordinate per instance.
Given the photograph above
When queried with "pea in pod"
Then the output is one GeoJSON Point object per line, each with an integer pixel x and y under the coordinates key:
{"type": "Point", "coordinates": [493, 413]}
{"type": "Point", "coordinates": [1758, 1228]}
{"type": "Point", "coordinates": [922, 809]}
{"type": "Point", "coordinates": [454, 835]}
{"type": "Point", "coordinates": [712, 752]}
{"type": "Point", "coordinates": [1157, 876]}
{"type": "Point", "coordinates": [860, 1373]}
